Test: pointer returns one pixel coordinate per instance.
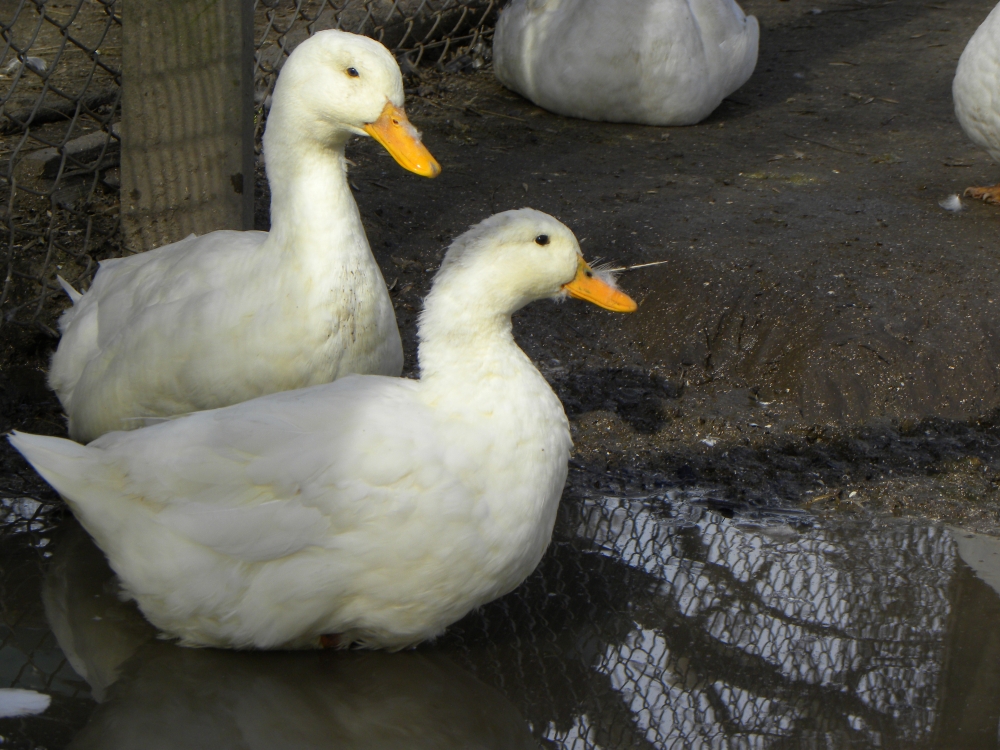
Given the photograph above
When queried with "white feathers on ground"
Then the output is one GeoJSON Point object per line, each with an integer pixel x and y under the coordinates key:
{"type": "Point", "coordinates": [15, 702]}
{"type": "Point", "coordinates": [656, 62]}
{"type": "Point", "coordinates": [976, 88]}
{"type": "Point", "coordinates": [378, 509]}
{"type": "Point", "coordinates": [222, 318]}
{"type": "Point", "coordinates": [952, 203]}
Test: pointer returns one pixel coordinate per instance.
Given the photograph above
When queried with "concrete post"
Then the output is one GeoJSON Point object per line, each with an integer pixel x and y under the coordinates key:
{"type": "Point", "coordinates": [187, 119]}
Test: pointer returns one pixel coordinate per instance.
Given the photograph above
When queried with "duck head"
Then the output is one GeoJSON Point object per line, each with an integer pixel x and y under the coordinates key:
{"type": "Point", "coordinates": [336, 84]}
{"type": "Point", "coordinates": [517, 257]}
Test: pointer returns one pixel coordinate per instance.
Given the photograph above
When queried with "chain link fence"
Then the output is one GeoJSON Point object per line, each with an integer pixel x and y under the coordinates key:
{"type": "Point", "coordinates": [60, 69]}
{"type": "Point", "coordinates": [656, 623]}
{"type": "Point", "coordinates": [58, 149]}
{"type": "Point", "coordinates": [652, 622]}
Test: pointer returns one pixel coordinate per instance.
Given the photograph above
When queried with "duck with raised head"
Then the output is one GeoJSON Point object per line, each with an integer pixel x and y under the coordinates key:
{"type": "Point", "coordinates": [228, 316]}
{"type": "Point", "coordinates": [976, 91]}
{"type": "Point", "coordinates": [652, 62]}
{"type": "Point", "coordinates": [371, 510]}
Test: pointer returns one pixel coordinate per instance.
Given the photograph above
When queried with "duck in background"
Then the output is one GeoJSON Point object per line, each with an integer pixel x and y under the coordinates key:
{"type": "Point", "coordinates": [228, 316]}
{"type": "Point", "coordinates": [976, 91]}
{"type": "Point", "coordinates": [371, 510]}
{"type": "Point", "coordinates": [653, 62]}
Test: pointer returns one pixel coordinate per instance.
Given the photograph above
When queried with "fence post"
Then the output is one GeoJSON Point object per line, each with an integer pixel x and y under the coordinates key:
{"type": "Point", "coordinates": [187, 119]}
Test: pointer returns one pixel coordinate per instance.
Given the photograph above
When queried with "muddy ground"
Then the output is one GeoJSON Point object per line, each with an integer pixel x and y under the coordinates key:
{"type": "Point", "coordinates": [822, 333]}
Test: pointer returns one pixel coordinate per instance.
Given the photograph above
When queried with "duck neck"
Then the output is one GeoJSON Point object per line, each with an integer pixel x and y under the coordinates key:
{"type": "Point", "coordinates": [312, 209]}
{"type": "Point", "coordinates": [464, 340]}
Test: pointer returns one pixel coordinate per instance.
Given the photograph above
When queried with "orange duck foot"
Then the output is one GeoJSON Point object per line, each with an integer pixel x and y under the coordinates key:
{"type": "Point", "coordinates": [329, 641]}
{"type": "Point", "coordinates": [987, 194]}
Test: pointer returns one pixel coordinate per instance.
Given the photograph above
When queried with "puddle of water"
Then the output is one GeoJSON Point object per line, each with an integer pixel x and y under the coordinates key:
{"type": "Point", "coordinates": [652, 623]}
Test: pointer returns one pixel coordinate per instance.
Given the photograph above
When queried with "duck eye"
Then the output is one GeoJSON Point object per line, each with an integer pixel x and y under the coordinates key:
{"type": "Point", "coordinates": [542, 239]}
{"type": "Point", "coordinates": [353, 72]}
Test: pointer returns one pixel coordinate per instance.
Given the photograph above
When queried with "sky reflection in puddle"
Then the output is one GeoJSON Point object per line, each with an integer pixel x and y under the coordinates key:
{"type": "Point", "coordinates": [652, 623]}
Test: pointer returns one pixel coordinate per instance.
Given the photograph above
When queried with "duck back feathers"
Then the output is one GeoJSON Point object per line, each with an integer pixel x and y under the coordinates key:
{"type": "Point", "coordinates": [655, 62]}
{"type": "Point", "coordinates": [976, 88]}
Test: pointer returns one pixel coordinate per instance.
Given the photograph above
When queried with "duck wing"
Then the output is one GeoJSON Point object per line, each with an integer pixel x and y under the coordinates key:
{"type": "Point", "coordinates": [730, 39]}
{"type": "Point", "coordinates": [140, 308]}
{"type": "Point", "coordinates": [259, 480]}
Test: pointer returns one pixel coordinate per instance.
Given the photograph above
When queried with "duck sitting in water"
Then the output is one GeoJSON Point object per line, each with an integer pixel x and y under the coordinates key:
{"type": "Point", "coordinates": [654, 62]}
{"type": "Point", "coordinates": [976, 91]}
{"type": "Point", "coordinates": [222, 318]}
{"type": "Point", "coordinates": [371, 510]}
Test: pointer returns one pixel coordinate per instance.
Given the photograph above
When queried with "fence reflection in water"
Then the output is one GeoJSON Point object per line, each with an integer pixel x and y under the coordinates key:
{"type": "Point", "coordinates": [660, 624]}
{"type": "Point", "coordinates": [652, 622]}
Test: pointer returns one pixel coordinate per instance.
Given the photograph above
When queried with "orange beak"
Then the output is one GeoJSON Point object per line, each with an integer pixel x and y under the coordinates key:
{"type": "Point", "coordinates": [402, 141]}
{"type": "Point", "coordinates": [587, 286]}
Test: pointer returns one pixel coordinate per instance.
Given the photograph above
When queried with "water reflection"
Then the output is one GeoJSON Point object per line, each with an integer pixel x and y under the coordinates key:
{"type": "Point", "coordinates": [664, 625]}
{"type": "Point", "coordinates": [652, 623]}
{"type": "Point", "coordinates": [157, 695]}
{"type": "Point", "coordinates": [854, 617]}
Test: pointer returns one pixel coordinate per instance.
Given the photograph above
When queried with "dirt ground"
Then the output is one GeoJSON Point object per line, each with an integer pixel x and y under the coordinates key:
{"type": "Point", "coordinates": [822, 333]}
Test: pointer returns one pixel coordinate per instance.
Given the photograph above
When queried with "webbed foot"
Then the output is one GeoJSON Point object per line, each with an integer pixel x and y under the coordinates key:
{"type": "Point", "coordinates": [986, 194]}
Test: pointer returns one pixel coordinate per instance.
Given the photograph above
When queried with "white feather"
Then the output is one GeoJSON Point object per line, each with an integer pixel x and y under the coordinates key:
{"type": "Point", "coordinates": [73, 295]}
{"type": "Point", "coordinates": [952, 203]}
{"type": "Point", "coordinates": [16, 702]}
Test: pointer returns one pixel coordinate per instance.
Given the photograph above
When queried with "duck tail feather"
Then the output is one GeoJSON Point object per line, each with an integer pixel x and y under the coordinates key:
{"type": "Point", "coordinates": [68, 288]}
{"type": "Point", "coordinates": [62, 463]}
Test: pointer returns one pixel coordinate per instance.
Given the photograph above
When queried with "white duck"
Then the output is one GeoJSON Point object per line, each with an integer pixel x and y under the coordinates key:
{"type": "Point", "coordinates": [976, 90]}
{"type": "Point", "coordinates": [655, 62]}
{"type": "Point", "coordinates": [156, 695]}
{"type": "Point", "coordinates": [222, 318]}
{"type": "Point", "coordinates": [376, 509]}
